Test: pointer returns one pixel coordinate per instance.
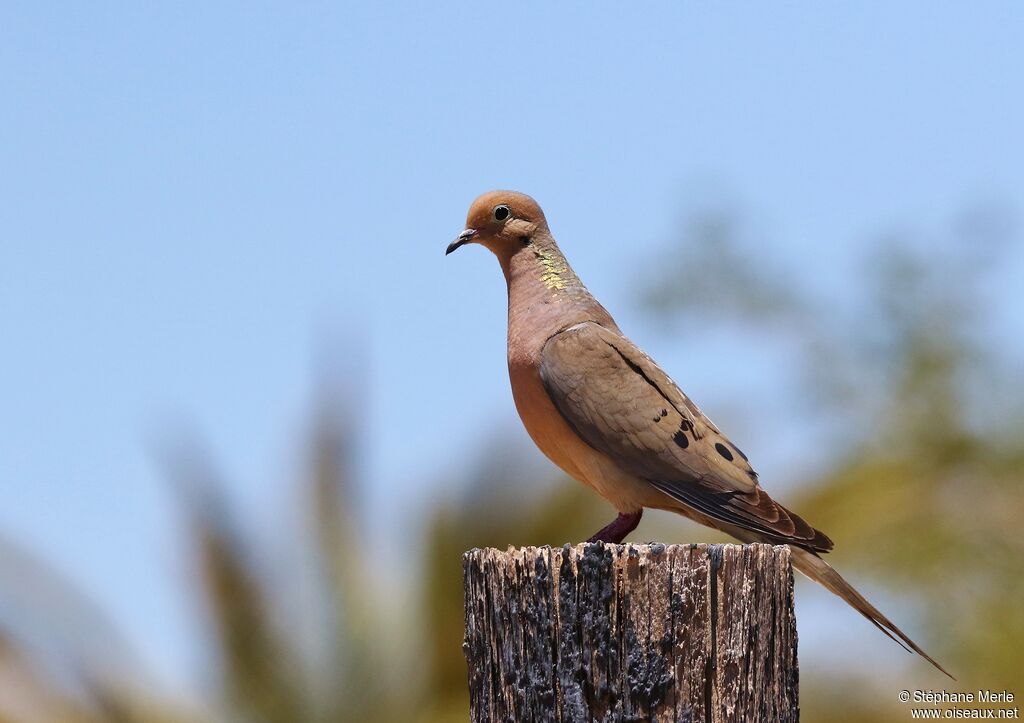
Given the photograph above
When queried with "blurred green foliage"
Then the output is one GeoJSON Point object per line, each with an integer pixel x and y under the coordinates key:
{"type": "Point", "coordinates": [921, 491]}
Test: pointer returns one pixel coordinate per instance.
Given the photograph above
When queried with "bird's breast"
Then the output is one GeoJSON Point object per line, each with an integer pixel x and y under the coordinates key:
{"type": "Point", "coordinates": [545, 425]}
{"type": "Point", "coordinates": [560, 443]}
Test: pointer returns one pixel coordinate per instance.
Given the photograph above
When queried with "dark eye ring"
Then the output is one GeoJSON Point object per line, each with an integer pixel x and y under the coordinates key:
{"type": "Point", "coordinates": [502, 213]}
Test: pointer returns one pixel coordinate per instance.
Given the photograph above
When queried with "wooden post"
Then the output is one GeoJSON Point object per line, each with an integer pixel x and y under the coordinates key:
{"type": "Point", "coordinates": [601, 632]}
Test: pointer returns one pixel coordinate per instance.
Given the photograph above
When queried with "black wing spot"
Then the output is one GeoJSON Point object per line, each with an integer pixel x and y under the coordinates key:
{"type": "Point", "coordinates": [680, 439]}
{"type": "Point", "coordinates": [723, 450]}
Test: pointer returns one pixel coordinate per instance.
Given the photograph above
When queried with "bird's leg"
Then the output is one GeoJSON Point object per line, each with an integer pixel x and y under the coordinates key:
{"type": "Point", "coordinates": [616, 531]}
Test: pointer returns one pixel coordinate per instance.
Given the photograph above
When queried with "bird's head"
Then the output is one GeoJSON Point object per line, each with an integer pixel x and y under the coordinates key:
{"type": "Point", "coordinates": [503, 221]}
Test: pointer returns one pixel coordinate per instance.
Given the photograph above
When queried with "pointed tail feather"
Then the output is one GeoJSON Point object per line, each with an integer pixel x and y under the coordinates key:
{"type": "Point", "coordinates": [821, 572]}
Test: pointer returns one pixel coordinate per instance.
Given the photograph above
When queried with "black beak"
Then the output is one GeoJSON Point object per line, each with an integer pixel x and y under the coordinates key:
{"type": "Point", "coordinates": [464, 238]}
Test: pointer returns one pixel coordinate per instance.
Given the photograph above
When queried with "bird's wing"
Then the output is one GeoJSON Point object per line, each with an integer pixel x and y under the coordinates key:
{"type": "Point", "coordinates": [622, 404]}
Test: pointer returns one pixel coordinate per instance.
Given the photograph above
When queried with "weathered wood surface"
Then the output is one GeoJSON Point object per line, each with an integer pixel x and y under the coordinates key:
{"type": "Point", "coordinates": [602, 632]}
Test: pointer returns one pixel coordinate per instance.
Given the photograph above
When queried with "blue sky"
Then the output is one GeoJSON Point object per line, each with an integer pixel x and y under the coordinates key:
{"type": "Point", "coordinates": [198, 203]}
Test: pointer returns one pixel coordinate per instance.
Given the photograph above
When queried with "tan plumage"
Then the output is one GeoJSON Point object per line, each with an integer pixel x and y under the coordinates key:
{"type": "Point", "coordinates": [607, 414]}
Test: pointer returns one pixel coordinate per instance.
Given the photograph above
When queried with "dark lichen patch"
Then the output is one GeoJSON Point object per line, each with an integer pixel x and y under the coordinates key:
{"type": "Point", "coordinates": [595, 619]}
{"type": "Point", "coordinates": [648, 677]}
{"type": "Point", "coordinates": [568, 658]}
{"type": "Point", "coordinates": [723, 450]}
{"type": "Point", "coordinates": [539, 634]}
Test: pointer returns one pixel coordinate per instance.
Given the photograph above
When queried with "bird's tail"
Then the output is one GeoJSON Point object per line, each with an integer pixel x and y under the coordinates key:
{"type": "Point", "coordinates": [821, 572]}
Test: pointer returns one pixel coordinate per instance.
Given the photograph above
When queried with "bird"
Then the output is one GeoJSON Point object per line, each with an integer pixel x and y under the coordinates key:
{"type": "Point", "coordinates": [605, 413]}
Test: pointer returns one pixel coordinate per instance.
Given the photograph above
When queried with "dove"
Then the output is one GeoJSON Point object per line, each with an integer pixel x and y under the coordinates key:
{"type": "Point", "coordinates": [605, 413]}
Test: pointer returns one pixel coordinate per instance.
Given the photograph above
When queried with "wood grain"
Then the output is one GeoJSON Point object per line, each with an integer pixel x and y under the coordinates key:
{"type": "Point", "coordinates": [601, 632]}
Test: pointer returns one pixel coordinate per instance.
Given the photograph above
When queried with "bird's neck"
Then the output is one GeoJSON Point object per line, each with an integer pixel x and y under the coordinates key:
{"type": "Point", "coordinates": [545, 296]}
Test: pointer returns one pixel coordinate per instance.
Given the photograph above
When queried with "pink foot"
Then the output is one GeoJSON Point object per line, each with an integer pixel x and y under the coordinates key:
{"type": "Point", "coordinates": [618, 529]}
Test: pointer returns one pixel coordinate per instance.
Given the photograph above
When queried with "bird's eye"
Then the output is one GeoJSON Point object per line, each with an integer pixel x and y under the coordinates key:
{"type": "Point", "coordinates": [501, 213]}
